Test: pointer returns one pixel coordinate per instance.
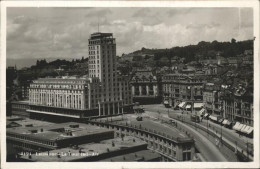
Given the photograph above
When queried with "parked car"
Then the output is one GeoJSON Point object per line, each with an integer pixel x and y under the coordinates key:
{"type": "Point", "coordinates": [139, 118]}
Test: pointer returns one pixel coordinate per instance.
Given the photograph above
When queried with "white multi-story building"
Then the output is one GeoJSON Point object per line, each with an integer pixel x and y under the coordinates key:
{"type": "Point", "coordinates": [103, 93]}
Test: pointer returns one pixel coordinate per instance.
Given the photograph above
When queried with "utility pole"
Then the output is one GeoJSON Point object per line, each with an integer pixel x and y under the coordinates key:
{"type": "Point", "coordinates": [236, 150]}
{"type": "Point", "coordinates": [208, 126]}
{"type": "Point", "coordinates": [247, 149]}
{"type": "Point", "coordinates": [192, 107]}
{"type": "Point", "coordinates": [222, 110]}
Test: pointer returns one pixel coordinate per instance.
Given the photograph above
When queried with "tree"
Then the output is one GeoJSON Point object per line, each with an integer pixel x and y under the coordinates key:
{"type": "Point", "coordinates": [233, 40]}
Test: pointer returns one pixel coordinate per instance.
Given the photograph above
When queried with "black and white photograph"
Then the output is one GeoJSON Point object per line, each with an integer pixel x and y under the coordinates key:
{"type": "Point", "coordinates": [104, 83]}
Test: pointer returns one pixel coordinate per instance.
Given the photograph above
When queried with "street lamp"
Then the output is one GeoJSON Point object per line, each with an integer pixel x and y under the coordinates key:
{"type": "Point", "coordinates": [182, 116]}
{"type": "Point", "coordinates": [222, 111]}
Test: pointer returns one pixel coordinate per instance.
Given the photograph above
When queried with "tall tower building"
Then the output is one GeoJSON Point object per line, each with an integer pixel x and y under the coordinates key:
{"type": "Point", "coordinates": [102, 64]}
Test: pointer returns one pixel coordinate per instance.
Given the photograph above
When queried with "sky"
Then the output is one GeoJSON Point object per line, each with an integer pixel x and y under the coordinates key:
{"type": "Point", "coordinates": [39, 33]}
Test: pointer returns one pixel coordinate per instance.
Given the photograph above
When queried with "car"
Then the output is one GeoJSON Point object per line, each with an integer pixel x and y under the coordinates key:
{"type": "Point", "coordinates": [139, 118]}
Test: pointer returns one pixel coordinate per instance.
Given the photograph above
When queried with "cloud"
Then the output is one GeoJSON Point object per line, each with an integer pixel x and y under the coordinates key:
{"type": "Point", "coordinates": [147, 17]}
{"type": "Point", "coordinates": [178, 11]}
{"type": "Point", "coordinates": [64, 32]}
{"type": "Point", "coordinates": [98, 13]}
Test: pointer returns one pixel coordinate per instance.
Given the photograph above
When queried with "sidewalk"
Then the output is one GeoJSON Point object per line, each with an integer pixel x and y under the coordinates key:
{"type": "Point", "coordinates": [224, 139]}
{"type": "Point", "coordinates": [231, 132]}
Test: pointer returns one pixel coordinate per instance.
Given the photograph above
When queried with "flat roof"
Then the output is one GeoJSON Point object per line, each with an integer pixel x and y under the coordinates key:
{"type": "Point", "coordinates": [148, 123]}
{"type": "Point", "coordinates": [26, 121]}
{"type": "Point", "coordinates": [88, 150]}
{"type": "Point", "coordinates": [21, 101]}
{"type": "Point", "coordinates": [100, 35]}
{"type": "Point", "coordinates": [51, 80]}
{"type": "Point", "coordinates": [53, 132]}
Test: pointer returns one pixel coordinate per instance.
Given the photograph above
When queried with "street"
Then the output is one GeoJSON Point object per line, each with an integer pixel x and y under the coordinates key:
{"type": "Point", "coordinates": [152, 120]}
{"type": "Point", "coordinates": [228, 134]}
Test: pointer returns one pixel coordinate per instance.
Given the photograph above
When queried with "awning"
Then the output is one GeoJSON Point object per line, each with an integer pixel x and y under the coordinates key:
{"type": "Point", "coordinates": [235, 127]}
{"type": "Point", "coordinates": [166, 102]}
{"type": "Point", "coordinates": [188, 106]}
{"type": "Point", "coordinates": [205, 115]}
{"type": "Point", "coordinates": [201, 111]}
{"type": "Point", "coordinates": [226, 122]}
{"type": "Point", "coordinates": [220, 120]}
{"type": "Point", "coordinates": [213, 118]}
{"type": "Point", "coordinates": [241, 126]}
{"type": "Point", "coordinates": [250, 130]}
{"type": "Point", "coordinates": [245, 128]}
{"type": "Point", "coordinates": [198, 105]}
{"type": "Point", "coordinates": [181, 104]}
{"type": "Point", "coordinates": [238, 127]}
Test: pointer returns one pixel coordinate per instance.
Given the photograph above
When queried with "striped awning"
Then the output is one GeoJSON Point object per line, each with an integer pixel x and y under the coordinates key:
{"type": "Point", "coordinates": [246, 129]}
{"type": "Point", "coordinates": [205, 115]}
{"type": "Point", "coordinates": [201, 111]}
{"type": "Point", "coordinates": [181, 104]}
{"type": "Point", "coordinates": [238, 126]}
{"type": "Point", "coordinates": [250, 130]}
{"type": "Point", "coordinates": [198, 105]}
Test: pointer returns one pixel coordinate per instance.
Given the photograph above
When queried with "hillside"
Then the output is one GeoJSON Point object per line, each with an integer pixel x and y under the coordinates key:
{"type": "Point", "coordinates": [203, 50]}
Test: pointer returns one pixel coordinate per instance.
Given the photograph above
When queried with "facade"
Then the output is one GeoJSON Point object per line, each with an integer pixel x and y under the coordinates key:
{"type": "Point", "coordinates": [70, 97]}
{"type": "Point", "coordinates": [103, 93]}
{"type": "Point", "coordinates": [102, 65]}
{"type": "Point", "coordinates": [19, 108]}
{"type": "Point", "coordinates": [211, 99]}
{"type": "Point", "coordinates": [179, 87]}
{"type": "Point", "coordinates": [239, 108]}
{"type": "Point", "coordinates": [145, 87]}
{"type": "Point", "coordinates": [125, 87]}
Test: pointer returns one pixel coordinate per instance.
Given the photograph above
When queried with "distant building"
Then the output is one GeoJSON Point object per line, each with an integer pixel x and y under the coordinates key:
{"type": "Point", "coordinates": [178, 88]}
{"type": "Point", "coordinates": [209, 61]}
{"type": "Point", "coordinates": [211, 99]}
{"type": "Point", "coordinates": [145, 87]}
{"type": "Point", "coordinates": [238, 106]}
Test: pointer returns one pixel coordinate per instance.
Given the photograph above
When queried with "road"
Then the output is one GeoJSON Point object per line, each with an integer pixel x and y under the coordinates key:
{"type": "Point", "coordinates": [208, 150]}
{"type": "Point", "coordinates": [227, 134]}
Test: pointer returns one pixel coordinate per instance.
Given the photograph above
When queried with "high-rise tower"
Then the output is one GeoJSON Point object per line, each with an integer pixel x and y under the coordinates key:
{"type": "Point", "coordinates": [102, 64]}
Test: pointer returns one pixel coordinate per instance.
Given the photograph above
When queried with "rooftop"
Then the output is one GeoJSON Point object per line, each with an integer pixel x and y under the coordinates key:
{"type": "Point", "coordinates": [26, 121]}
{"type": "Point", "coordinates": [89, 150]}
{"type": "Point", "coordinates": [100, 35]}
{"type": "Point", "coordinates": [62, 131]}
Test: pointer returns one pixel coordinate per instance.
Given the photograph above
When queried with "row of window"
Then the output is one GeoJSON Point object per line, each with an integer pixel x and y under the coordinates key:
{"type": "Point", "coordinates": [58, 86]}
